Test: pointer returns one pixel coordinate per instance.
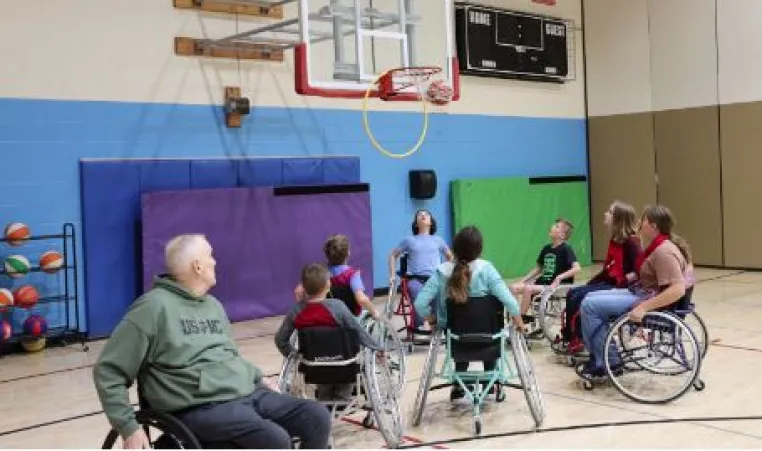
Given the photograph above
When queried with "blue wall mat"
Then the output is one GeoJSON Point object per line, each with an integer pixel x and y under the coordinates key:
{"type": "Point", "coordinates": [109, 216]}
{"type": "Point", "coordinates": [211, 174]}
{"type": "Point", "coordinates": [341, 170]}
{"type": "Point", "coordinates": [302, 171]}
{"type": "Point", "coordinates": [163, 175]}
{"type": "Point", "coordinates": [254, 173]}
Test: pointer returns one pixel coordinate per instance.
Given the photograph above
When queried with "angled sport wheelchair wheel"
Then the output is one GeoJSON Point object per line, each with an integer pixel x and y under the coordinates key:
{"type": "Point", "coordinates": [383, 397]}
{"type": "Point", "coordinates": [658, 360]}
{"type": "Point", "coordinates": [700, 331]}
{"type": "Point", "coordinates": [552, 305]}
{"type": "Point", "coordinates": [429, 368]}
{"type": "Point", "coordinates": [385, 334]}
{"type": "Point", "coordinates": [525, 368]}
{"type": "Point", "coordinates": [288, 379]}
{"type": "Point", "coordinates": [172, 434]}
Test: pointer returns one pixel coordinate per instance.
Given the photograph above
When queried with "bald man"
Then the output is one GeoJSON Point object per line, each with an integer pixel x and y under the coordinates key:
{"type": "Point", "coordinates": [177, 341]}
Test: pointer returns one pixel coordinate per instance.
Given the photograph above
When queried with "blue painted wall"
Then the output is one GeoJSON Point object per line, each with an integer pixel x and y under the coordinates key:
{"type": "Point", "coordinates": [42, 141]}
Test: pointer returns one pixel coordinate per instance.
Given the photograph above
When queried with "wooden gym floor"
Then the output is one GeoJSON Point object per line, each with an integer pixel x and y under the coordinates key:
{"type": "Point", "coordinates": [47, 400]}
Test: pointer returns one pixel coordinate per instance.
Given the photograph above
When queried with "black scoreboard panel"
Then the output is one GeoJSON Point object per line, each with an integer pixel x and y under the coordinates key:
{"type": "Point", "coordinates": [500, 43]}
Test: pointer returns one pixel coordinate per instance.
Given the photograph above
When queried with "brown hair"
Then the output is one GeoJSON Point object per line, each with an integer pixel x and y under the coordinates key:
{"type": "Point", "coordinates": [336, 249]}
{"type": "Point", "coordinates": [568, 227]}
{"type": "Point", "coordinates": [623, 220]}
{"type": "Point", "coordinates": [467, 247]}
{"type": "Point", "coordinates": [664, 220]}
{"type": "Point", "coordinates": [314, 278]}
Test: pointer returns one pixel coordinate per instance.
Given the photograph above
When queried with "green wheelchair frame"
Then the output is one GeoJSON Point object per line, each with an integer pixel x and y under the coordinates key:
{"type": "Point", "coordinates": [504, 375]}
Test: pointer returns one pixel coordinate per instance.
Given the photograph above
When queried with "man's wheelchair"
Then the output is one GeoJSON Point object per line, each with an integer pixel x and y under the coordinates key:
{"type": "Point", "coordinates": [164, 431]}
{"type": "Point", "coordinates": [333, 356]}
{"type": "Point", "coordinates": [662, 344]}
{"type": "Point", "coordinates": [477, 331]}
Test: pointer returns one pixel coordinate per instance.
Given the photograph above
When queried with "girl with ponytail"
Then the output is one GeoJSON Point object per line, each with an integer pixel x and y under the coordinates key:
{"type": "Point", "coordinates": [467, 276]}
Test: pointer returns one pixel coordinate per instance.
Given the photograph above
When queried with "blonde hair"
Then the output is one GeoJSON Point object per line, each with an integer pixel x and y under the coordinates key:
{"type": "Point", "coordinates": [623, 220]}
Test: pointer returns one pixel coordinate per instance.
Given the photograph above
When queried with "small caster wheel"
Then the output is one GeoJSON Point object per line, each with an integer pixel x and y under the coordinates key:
{"type": "Point", "coordinates": [477, 426]}
{"type": "Point", "coordinates": [570, 361]}
{"type": "Point", "coordinates": [500, 395]}
{"type": "Point", "coordinates": [410, 349]}
{"type": "Point", "coordinates": [587, 385]}
{"type": "Point", "coordinates": [699, 385]}
{"type": "Point", "coordinates": [367, 422]}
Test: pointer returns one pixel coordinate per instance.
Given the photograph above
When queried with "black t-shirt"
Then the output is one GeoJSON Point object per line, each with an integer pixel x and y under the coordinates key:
{"type": "Point", "coordinates": [555, 261]}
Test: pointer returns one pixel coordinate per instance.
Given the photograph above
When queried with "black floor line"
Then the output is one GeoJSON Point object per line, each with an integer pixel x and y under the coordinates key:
{"type": "Point", "coordinates": [582, 426]}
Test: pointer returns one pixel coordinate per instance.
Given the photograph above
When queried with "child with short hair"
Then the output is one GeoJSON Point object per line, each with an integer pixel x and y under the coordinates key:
{"type": "Point", "coordinates": [319, 310]}
{"type": "Point", "coordinates": [556, 264]}
{"type": "Point", "coordinates": [346, 283]}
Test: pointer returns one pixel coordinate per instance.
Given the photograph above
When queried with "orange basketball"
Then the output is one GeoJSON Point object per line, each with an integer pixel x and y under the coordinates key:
{"type": "Point", "coordinates": [6, 299]}
{"type": "Point", "coordinates": [26, 296]}
{"type": "Point", "coordinates": [16, 233]}
{"type": "Point", "coordinates": [51, 261]}
{"type": "Point", "coordinates": [439, 93]}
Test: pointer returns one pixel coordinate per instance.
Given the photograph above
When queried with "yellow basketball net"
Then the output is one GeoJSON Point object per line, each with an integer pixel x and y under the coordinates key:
{"type": "Point", "coordinates": [387, 89]}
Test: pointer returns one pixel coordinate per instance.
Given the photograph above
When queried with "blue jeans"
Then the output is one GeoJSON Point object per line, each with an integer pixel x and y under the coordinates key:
{"type": "Point", "coordinates": [598, 308]}
{"type": "Point", "coordinates": [414, 287]}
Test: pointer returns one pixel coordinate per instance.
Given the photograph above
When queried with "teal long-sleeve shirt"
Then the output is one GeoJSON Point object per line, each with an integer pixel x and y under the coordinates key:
{"type": "Point", "coordinates": [485, 280]}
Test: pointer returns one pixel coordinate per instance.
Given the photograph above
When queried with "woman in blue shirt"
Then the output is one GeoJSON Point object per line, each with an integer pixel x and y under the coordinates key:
{"type": "Point", "coordinates": [468, 276]}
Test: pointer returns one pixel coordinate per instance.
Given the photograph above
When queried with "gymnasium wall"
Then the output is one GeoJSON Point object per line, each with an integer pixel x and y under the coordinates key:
{"type": "Point", "coordinates": [99, 79]}
{"type": "Point", "coordinates": [673, 116]}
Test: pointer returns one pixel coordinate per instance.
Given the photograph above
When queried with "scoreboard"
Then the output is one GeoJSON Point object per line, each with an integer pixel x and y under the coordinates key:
{"type": "Point", "coordinates": [496, 42]}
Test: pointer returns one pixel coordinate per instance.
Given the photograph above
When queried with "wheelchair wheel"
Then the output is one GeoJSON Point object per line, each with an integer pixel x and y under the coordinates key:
{"type": "Point", "coordinates": [381, 391]}
{"type": "Point", "coordinates": [173, 433]}
{"type": "Point", "coordinates": [288, 379]}
{"type": "Point", "coordinates": [698, 326]}
{"type": "Point", "coordinates": [661, 346]}
{"type": "Point", "coordinates": [552, 305]}
{"type": "Point", "coordinates": [429, 368]}
{"type": "Point", "coordinates": [525, 368]}
{"type": "Point", "coordinates": [384, 332]}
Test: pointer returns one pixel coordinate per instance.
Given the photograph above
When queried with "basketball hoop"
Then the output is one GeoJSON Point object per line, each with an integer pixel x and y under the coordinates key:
{"type": "Point", "coordinates": [392, 85]}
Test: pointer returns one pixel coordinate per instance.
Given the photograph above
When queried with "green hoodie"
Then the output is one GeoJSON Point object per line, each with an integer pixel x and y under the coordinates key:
{"type": "Point", "coordinates": [182, 346]}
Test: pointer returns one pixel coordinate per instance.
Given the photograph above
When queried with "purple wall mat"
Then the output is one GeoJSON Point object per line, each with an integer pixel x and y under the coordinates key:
{"type": "Point", "coordinates": [262, 237]}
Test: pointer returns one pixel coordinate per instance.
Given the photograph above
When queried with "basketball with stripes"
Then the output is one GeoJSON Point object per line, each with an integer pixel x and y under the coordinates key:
{"type": "Point", "coordinates": [51, 261]}
{"type": "Point", "coordinates": [16, 265]}
{"type": "Point", "coordinates": [16, 233]}
{"type": "Point", "coordinates": [35, 326]}
{"type": "Point", "coordinates": [6, 299]}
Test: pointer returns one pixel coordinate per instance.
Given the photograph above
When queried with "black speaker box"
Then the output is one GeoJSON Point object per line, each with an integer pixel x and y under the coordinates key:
{"type": "Point", "coordinates": [423, 184]}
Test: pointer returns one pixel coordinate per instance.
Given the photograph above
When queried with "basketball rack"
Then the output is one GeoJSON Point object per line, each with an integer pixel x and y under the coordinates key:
{"type": "Point", "coordinates": [350, 79]}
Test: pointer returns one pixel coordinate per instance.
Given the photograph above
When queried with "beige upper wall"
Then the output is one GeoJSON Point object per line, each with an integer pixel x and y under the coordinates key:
{"type": "Point", "coordinates": [618, 56]}
{"type": "Point", "coordinates": [683, 54]}
{"type": "Point", "coordinates": [116, 50]}
{"type": "Point", "coordinates": [739, 23]}
{"type": "Point", "coordinates": [653, 55]}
